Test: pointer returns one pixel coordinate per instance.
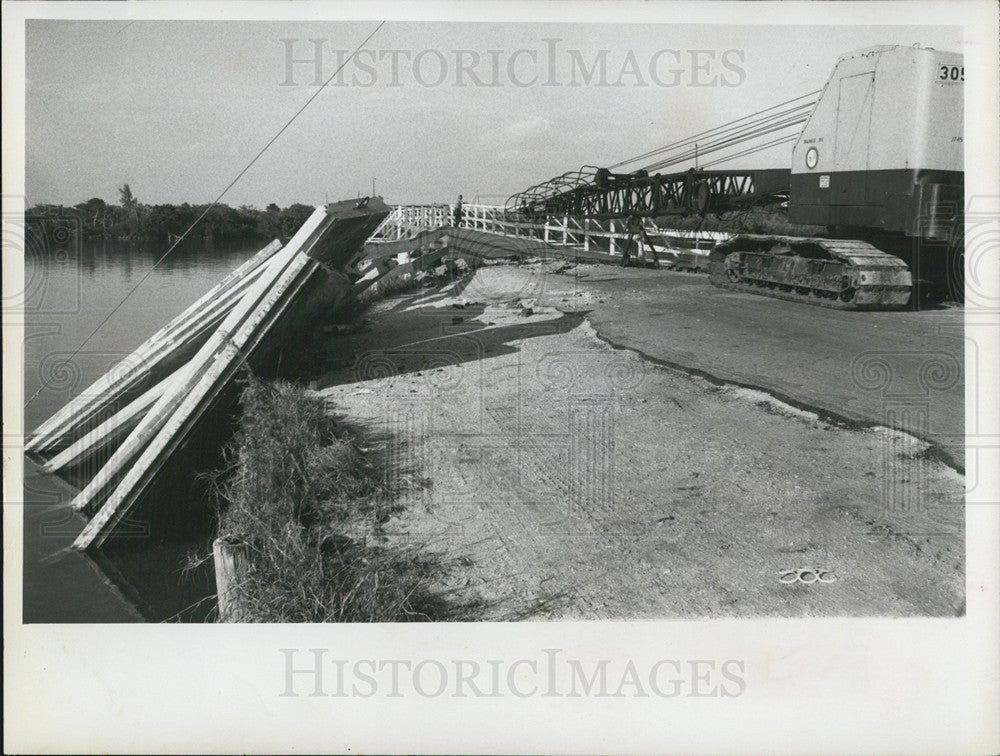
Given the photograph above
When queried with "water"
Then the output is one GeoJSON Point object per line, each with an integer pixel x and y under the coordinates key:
{"type": "Point", "coordinates": [69, 289]}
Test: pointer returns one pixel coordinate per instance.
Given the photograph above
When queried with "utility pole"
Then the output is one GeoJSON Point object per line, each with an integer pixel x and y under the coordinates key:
{"type": "Point", "coordinates": [696, 156]}
{"type": "Point", "coordinates": [373, 186]}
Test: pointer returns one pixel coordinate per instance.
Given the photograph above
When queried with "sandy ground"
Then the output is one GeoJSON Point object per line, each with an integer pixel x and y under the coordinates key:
{"type": "Point", "coordinates": [904, 367]}
{"type": "Point", "coordinates": [571, 479]}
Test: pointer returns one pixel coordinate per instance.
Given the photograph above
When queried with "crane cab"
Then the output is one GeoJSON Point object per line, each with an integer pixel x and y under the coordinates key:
{"type": "Point", "coordinates": [883, 148]}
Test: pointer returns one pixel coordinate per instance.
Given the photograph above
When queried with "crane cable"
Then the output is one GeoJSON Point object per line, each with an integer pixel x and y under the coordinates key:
{"type": "Point", "coordinates": [752, 150]}
{"type": "Point", "coordinates": [744, 122]}
{"type": "Point", "coordinates": [728, 142]}
{"type": "Point", "coordinates": [216, 201]}
{"type": "Point", "coordinates": [736, 123]}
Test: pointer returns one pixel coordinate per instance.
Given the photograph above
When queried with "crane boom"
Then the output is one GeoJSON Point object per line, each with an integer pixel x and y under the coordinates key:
{"type": "Point", "coordinates": [876, 166]}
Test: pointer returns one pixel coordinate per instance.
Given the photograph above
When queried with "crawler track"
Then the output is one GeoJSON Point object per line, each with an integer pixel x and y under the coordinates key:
{"type": "Point", "coordinates": [845, 275]}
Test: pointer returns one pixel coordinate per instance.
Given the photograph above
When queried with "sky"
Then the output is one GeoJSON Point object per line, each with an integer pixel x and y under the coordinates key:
{"type": "Point", "coordinates": [178, 109]}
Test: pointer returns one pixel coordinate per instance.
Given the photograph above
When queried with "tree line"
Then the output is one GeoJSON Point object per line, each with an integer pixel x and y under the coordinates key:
{"type": "Point", "coordinates": [134, 220]}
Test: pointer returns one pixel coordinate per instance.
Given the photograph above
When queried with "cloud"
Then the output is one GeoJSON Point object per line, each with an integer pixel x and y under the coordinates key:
{"type": "Point", "coordinates": [524, 151]}
{"type": "Point", "coordinates": [523, 136]}
{"type": "Point", "coordinates": [529, 129]}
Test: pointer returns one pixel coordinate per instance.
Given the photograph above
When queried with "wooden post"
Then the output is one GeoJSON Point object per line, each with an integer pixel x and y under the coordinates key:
{"type": "Point", "coordinates": [231, 558]}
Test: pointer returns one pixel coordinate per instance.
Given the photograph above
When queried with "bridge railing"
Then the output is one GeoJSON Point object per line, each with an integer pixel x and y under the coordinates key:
{"type": "Point", "coordinates": [406, 221]}
{"type": "Point", "coordinates": [589, 234]}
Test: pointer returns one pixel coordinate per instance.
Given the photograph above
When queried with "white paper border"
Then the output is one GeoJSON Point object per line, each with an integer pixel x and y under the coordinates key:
{"type": "Point", "coordinates": [813, 685]}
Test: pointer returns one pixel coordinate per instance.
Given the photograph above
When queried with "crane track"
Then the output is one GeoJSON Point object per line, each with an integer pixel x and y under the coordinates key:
{"type": "Point", "coordinates": [834, 273]}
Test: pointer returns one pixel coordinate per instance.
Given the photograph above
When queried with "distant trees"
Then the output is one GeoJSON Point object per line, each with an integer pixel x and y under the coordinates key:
{"type": "Point", "coordinates": [269, 222]}
{"type": "Point", "coordinates": [131, 219]}
{"type": "Point", "coordinates": [130, 206]}
{"type": "Point", "coordinates": [95, 213]}
{"type": "Point", "coordinates": [292, 218]}
{"type": "Point", "coordinates": [129, 202]}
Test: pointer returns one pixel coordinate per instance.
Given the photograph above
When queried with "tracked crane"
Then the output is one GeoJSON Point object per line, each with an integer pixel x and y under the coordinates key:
{"type": "Point", "coordinates": [870, 209]}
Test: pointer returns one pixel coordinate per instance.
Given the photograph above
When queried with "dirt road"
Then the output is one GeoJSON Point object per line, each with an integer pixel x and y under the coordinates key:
{"type": "Point", "coordinates": [903, 367]}
{"type": "Point", "coordinates": [571, 479]}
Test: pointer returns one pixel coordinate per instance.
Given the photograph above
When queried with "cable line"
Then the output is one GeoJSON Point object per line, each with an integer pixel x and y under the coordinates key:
{"type": "Point", "coordinates": [728, 142]}
{"type": "Point", "coordinates": [736, 123]}
{"type": "Point", "coordinates": [216, 200]}
{"type": "Point", "coordinates": [752, 150]}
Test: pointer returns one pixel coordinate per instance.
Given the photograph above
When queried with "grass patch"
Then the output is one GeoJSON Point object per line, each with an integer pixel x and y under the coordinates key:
{"type": "Point", "coordinates": [309, 500]}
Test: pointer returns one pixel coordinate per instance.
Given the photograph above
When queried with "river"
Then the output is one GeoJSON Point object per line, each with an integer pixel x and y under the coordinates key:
{"type": "Point", "coordinates": [70, 288]}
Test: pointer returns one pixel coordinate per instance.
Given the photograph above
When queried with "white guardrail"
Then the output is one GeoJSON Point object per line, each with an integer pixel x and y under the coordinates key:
{"type": "Point", "coordinates": [610, 236]}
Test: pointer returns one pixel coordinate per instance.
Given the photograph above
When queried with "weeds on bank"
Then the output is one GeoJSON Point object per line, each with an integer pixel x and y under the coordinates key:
{"type": "Point", "coordinates": [310, 505]}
